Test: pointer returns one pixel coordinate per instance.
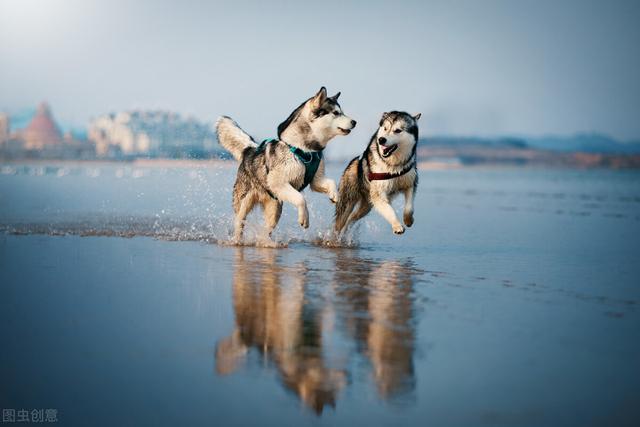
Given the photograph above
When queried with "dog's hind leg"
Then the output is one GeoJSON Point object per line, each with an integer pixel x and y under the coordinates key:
{"type": "Point", "coordinates": [244, 207]}
{"type": "Point", "coordinates": [363, 209]}
{"type": "Point", "coordinates": [344, 209]}
{"type": "Point", "coordinates": [272, 212]}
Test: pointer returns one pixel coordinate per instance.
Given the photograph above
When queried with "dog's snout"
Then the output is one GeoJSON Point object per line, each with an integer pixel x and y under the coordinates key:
{"type": "Point", "coordinates": [353, 123]}
{"type": "Point", "coordinates": [382, 140]}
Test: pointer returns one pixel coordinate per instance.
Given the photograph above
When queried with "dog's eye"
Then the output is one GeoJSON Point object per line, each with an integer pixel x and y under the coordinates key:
{"type": "Point", "coordinates": [322, 112]}
{"type": "Point", "coordinates": [335, 113]}
{"type": "Point", "coordinates": [397, 131]}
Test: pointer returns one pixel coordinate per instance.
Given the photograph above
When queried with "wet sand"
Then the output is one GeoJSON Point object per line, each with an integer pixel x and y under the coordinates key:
{"type": "Point", "coordinates": [514, 300]}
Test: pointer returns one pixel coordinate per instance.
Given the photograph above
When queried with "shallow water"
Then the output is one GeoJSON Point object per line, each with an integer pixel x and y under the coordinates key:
{"type": "Point", "coordinates": [514, 299]}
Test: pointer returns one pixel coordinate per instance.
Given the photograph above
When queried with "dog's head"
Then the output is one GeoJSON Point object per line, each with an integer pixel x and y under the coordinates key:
{"type": "Point", "coordinates": [397, 133]}
{"type": "Point", "coordinates": [316, 121]}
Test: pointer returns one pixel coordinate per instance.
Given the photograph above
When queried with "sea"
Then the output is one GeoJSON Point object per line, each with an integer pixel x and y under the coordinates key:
{"type": "Point", "coordinates": [514, 299]}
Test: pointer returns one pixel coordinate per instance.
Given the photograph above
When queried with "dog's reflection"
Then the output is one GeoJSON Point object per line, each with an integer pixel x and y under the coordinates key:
{"type": "Point", "coordinates": [279, 313]}
{"type": "Point", "coordinates": [273, 318]}
{"type": "Point", "coordinates": [379, 315]}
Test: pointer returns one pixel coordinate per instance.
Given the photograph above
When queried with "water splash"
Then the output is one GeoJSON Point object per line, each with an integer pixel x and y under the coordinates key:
{"type": "Point", "coordinates": [213, 229]}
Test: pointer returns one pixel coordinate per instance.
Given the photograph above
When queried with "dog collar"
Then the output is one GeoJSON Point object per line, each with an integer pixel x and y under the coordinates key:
{"type": "Point", "coordinates": [379, 176]}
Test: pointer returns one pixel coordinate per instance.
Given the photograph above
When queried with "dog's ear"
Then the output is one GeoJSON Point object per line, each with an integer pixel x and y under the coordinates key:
{"type": "Point", "coordinates": [417, 116]}
{"type": "Point", "coordinates": [335, 97]}
{"type": "Point", "coordinates": [321, 96]}
{"type": "Point", "coordinates": [383, 118]}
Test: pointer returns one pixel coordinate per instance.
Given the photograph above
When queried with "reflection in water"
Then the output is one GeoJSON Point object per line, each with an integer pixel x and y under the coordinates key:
{"type": "Point", "coordinates": [379, 316]}
{"type": "Point", "coordinates": [289, 315]}
{"type": "Point", "coordinates": [273, 318]}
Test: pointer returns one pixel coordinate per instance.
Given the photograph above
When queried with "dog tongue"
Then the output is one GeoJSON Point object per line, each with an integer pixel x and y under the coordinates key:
{"type": "Point", "coordinates": [388, 148]}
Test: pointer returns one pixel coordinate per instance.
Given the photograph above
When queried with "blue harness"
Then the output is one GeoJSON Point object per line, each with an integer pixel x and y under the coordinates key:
{"type": "Point", "coordinates": [310, 159]}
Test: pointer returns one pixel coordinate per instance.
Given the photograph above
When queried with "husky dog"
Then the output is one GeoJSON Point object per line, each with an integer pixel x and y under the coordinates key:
{"type": "Point", "coordinates": [387, 167]}
{"type": "Point", "coordinates": [277, 171]}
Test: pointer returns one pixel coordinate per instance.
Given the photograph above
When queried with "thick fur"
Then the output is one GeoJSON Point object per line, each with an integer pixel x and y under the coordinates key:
{"type": "Point", "coordinates": [233, 138]}
{"type": "Point", "coordinates": [390, 150]}
{"type": "Point", "coordinates": [274, 175]}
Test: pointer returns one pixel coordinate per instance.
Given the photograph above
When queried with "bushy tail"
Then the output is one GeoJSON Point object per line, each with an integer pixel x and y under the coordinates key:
{"type": "Point", "coordinates": [232, 137]}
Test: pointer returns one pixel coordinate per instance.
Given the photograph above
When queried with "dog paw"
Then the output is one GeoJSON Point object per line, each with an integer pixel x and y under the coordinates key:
{"type": "Point", "coordinates": [237, 239]}
{"type": "Point", "coordinates": [333, 196]}
{"type": "Point", "coordinates": [408, 219]}
{"type": "Point", "coordinates": [303, 219]}
{"type": "Point", "coordinates": [398, 229]}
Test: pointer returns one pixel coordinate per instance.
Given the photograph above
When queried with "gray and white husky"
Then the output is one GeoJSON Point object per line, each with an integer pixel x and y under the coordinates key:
{"type": "Point", "coordinates": [386, 168]}
{"type": "Point", "coordinates": [277, 171]}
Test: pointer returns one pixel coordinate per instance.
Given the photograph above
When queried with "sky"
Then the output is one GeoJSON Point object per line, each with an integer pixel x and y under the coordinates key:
{"type": "Point", "coordinates": [482, 68]}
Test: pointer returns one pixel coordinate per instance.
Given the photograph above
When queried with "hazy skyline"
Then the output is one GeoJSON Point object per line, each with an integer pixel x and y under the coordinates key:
{"type": "Point", "coordinates": [471, 67]}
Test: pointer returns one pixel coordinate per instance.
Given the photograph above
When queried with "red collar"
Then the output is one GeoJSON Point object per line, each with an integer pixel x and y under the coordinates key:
{"type": "Point", "coordinates": [377, 176]}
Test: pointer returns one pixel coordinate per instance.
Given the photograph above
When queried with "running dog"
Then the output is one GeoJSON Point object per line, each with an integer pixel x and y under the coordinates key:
{"type": "Point", "coordinates": [277, 171]}
{"type": "Point", "coordinates": [387, 167]}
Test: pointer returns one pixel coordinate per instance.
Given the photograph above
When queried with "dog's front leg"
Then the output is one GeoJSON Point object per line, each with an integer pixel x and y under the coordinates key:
{"type": "Point", "coordinates": [382, 205]}
{"type": "Point", "coordinates": [322, 184]}
{"type": "Point", "coordinates": [409, 196]}
{"type": "Point", "coordinates": [287, 193]}
{"type": "Point", "coordinates": [327, 186]}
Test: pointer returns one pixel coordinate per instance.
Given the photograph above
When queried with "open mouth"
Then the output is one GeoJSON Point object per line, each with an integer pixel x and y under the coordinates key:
{"type": "Point", "coordinates": [388, 150]}
{"type": "Point", "coordinates": [344, 131]}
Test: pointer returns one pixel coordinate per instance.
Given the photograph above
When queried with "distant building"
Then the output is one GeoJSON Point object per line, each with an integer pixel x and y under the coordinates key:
{"type": "Point", "coordinates": [10, 145]}
{"type": "Point", "coordinates": [41, 138]}
{"type": "Point", "coordinates": [153, 133]}
{"type": "Point", "coordinates": [4, 129]}
{"type": "Point", "coordinates": [42, 132]}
